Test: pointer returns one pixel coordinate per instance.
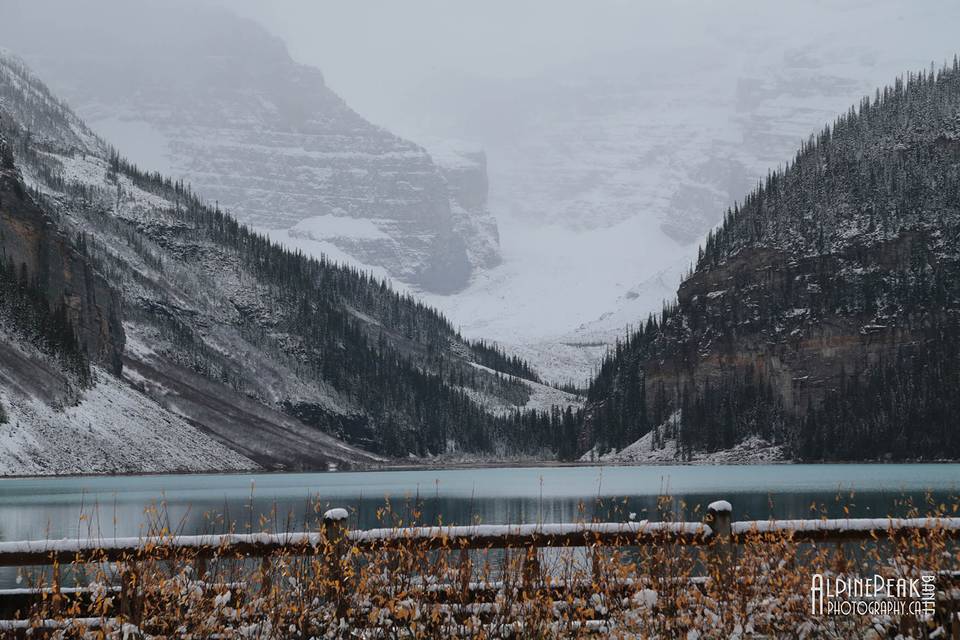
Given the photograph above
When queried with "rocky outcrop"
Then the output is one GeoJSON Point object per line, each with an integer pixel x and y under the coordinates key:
{"type": "Point", "coordinates": [770, 312]}
{"type": "Point", "coordinates": [32, 243]}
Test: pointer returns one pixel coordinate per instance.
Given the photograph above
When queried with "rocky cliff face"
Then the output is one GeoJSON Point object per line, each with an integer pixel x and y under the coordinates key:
{"type": "Point", "coordinates": [784, 327]}
{"type": "Point", "coordinates": [469, 186]}
{"type": "Point", "coordinates": [824, 313]}
{"type": "Point", "coordinates": [32, 243]}
{"type": "Point", "coordinates": [215, 100]}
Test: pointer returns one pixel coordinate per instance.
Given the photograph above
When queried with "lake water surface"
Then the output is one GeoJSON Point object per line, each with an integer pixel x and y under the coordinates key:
{"type": "Point", "coordinates": [33, 508]}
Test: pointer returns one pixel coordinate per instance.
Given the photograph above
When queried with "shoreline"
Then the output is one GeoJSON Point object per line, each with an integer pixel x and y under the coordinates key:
{"type": "Point", "coordinates": [466, 465]}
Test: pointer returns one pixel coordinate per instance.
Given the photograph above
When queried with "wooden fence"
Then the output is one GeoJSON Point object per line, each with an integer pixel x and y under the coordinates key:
{"type": "Point", "coordinates": [335, 540]}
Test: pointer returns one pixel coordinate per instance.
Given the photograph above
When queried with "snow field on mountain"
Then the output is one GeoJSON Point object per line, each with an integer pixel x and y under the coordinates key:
{"type": "Point", "coordinates": [113, 429]}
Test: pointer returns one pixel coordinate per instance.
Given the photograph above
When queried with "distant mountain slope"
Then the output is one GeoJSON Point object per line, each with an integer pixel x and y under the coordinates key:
{"type": "Point", "coordinates": [824, 314]}
{"type": "Point", "coordinates": [213, 99]}
{"type": "Point", "coordinates": [278, 356]}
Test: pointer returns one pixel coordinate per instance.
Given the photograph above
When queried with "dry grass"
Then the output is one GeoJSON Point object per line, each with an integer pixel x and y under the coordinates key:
{"type": "Point", "coordinates": [760, 588]}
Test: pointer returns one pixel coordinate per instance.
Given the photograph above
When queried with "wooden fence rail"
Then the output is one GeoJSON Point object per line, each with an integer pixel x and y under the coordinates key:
{"type": "Point", "coordinates": [717, 523]}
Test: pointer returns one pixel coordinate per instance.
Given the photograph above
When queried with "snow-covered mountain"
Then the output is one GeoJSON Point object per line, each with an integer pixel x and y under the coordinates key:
{"type": "Point", "coordinates": [201, 95]}
{"type": "Point", "coordinates": [134, 310]}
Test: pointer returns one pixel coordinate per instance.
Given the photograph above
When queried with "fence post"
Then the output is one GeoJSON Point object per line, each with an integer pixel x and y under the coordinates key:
{"type": "Point", "coordinates": [531, 569]}
{"type": "Point", "coordinates": [129, 607]}
{"type": "Point", "coordinates": [56, 597]}
{"type": "Point", "coordinates": [335, 538]}
{"type": "Point", "coordinates": [719, 518]}
{"type": "Point", "coordinates": [466, 572]}
{"type": "Point", "coordinates": [266, 575]}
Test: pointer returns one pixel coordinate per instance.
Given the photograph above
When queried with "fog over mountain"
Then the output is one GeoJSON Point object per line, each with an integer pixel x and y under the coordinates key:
{"type": "Point", "coordinates": [614, 134]}
{"type": "Point", "coordinates": [204, 95]}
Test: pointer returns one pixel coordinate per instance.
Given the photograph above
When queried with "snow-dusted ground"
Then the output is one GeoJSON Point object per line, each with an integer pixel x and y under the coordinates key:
{"type": "Point", "coordinates": [542, 397]}
{"type": "Point", "coordinates": [113, 429]}
{"type": "Point", "coordinates": [753, 450]}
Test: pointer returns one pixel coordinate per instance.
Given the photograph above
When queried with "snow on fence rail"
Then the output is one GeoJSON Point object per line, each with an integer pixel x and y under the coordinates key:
{"type": "Point", "coordinates": [846, 529]}
{"type": "Point", "coordinates": [42, 552]}
{"type": "Point", "coordinates": [471, 537]}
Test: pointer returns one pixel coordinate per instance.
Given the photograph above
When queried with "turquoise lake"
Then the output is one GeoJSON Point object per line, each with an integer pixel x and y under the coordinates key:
{"type": "Point", "coordinates": [116, 505]}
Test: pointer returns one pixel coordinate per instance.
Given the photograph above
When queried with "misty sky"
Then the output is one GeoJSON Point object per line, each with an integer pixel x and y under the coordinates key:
{"type": "Point", "coordinates": [375, 51]}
